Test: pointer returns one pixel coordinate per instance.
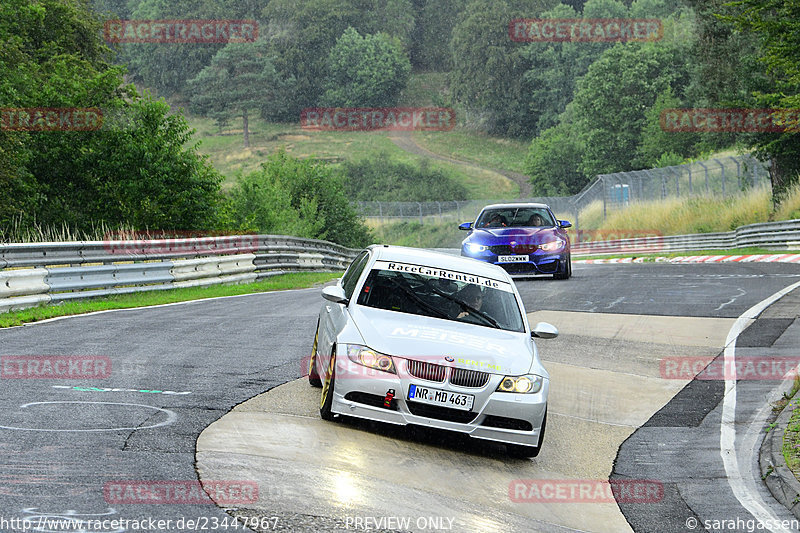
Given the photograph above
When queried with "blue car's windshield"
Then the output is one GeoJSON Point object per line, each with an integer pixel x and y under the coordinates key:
{"type": "Point", "coordinates": [507, 217]}
{"type": "Point", "coordinates": [429, 291]}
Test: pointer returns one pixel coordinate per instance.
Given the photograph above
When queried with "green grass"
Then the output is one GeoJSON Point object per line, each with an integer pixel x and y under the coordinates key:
{"type": "Point", "coordinates": [423, 89]}
{"type": "Point", "coordinates": [227, 153]}
{"type": "Point", "coordinates": [791, 437]}
{"type": "Point", "coordinates": [491, 152]}
{"type": "Point", "coordinates": [431, 234]}
{"type": "Point", "coordinates": [143, 299]}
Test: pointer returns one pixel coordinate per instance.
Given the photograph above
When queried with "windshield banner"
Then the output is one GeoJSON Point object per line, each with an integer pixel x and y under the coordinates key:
{"type": "Point", "coordinates": [444, 274]}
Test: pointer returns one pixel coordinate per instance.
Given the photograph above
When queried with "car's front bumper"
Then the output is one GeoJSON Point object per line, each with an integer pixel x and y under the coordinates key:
{"type": "Point", "coordinates": [538, 263]}
{"type": "Point", "coordinates": [497, 416]}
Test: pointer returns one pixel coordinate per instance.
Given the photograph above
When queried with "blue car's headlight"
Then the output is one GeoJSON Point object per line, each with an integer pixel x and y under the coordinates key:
{"type": "Point", "coordinates": [476, 248]}
{"type": "Point", "coordinates": [552, 246]}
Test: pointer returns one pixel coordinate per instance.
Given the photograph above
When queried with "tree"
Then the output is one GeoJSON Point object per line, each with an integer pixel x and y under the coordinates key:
{"type": "Point", "coordinates": [139, 168]}
{"type": "Point", "coordinates": [316, 193]}
{"type": "Point", "coordinates": [655, 141]}
{"type": "Point", "coordinates": [554, 160]}
{"type": "Point", "coordinates": [488, 69]}
{"type": "Point", "coordinates": [365, 71]}
{"type": "Point", "coordinates": [430, 50]}
{"type": "Point", "coordinates": [555, 67]}
{"type": "Point", "coordinates": [776, 25]}
{"type": "Point", "coordinates": [611, 101]}
{"type": "Point", "coordinates": [240, 78]}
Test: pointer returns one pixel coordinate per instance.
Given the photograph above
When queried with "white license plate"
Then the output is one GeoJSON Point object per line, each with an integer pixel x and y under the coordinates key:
{"type": "Point", "coordinates": [513, 259]}
{"type": "Point", "coordinates": [441, 398]}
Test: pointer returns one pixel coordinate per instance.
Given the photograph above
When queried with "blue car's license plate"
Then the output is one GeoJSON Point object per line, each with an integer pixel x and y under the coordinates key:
{"type": "Point", "coordinates": [513, 259]}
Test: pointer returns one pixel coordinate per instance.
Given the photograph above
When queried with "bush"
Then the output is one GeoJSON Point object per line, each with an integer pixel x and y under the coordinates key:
{"type": "Point", "coordinates": [296, 197]}
{"type": "Point", "coordinates": [381, 179]}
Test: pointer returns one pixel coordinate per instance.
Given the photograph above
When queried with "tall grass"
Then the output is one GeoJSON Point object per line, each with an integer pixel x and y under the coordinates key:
{"type": "Point", "coordinates": [678, 216]}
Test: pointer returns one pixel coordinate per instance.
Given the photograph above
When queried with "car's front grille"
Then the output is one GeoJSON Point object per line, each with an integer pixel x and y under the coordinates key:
{"type": "Point", "coordinates": [468, 378]}
{"type": "Point", "coordinates": [519, 249]}
{"type": "Point", "coordinates": [501, 249]}
{"type": "Point", "coordinates": [440, 413]}
{"type": "Point", "coordinates": [426, 371]}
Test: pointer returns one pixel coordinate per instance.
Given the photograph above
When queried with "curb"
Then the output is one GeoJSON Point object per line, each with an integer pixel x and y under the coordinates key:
{"type": "Point", "coordinates": [769, 258]}
{"type": "Point", "coordinates": [781, 482]}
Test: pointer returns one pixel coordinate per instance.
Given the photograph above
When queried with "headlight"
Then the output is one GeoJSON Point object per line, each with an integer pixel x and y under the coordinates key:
{"type": "Point", "coordinates": [476, 248]}
{"type": "Point", "coordinates": [521, 384]}
{"type": "Point", "coordinates": [370, 358]}
{"type": "Point", "coordinates": [552, 246]}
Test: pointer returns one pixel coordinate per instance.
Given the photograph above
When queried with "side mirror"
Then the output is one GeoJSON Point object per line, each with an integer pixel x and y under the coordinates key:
{"type": "Point", "coordinates": [565, 223]}
{"type": "Point", "coordinates": [466, 226]}
{"type": "Point", "coordinates": [335, 294]}
{"type": "Point", "coordinates": [543, 330]}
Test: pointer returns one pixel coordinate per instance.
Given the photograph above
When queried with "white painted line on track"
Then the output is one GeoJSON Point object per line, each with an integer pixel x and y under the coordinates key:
{"type": "Point", "coordinates": [727, 435]}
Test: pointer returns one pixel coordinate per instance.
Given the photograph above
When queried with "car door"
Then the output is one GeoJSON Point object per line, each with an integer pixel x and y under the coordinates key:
{"type": "Point", "coordinates": [333, 316]}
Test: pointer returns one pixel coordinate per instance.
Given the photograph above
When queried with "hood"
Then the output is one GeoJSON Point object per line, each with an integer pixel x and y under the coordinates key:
{"type": "Point", "coordinates": [432, 339]}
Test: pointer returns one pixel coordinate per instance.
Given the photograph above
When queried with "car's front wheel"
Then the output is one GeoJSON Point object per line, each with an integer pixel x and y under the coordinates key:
{"type": "Point", "coordinates": [313, 376]}
{"type": "Point", "coordinates": [518, 450]}
{"type": "Point", "coordinates": [326, 398]}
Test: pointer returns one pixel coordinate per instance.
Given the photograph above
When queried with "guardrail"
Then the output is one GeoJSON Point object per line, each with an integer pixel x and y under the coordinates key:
{"type": "Point", "coordinates": [40, 273]}
{"type": "Point", "coordinates": [770, 235]}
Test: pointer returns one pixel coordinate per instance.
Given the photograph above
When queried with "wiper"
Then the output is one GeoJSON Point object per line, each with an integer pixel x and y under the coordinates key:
{"type": "Point", "coordinates": [419, 301]}
{"type": "Point", "coordinates": [464, 305]}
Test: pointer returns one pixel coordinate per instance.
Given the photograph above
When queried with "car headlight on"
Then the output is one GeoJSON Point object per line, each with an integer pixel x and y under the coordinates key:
{"type": "Point", "coordinates": [370, 358]}
{"type": "Point", "coordinates": [552, 246]}
{"type": "Point", "coordinates": [529, 384]}
{"type": "Point", "coordinates": [476, 248]}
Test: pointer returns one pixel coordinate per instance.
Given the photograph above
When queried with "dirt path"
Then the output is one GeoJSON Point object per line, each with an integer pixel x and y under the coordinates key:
{"type": "Point", "coordinates": [406, 142]}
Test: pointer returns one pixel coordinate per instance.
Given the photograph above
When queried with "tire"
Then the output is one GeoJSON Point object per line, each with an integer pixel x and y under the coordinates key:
{"type": "Point", "coordinates": [518, 450]}
{"type": "Point", "coordinates": [326, 397]}
{"type": "Point", "coordinates": [567, 272]}
{"type": "Point", "coordinates": [313, 377]}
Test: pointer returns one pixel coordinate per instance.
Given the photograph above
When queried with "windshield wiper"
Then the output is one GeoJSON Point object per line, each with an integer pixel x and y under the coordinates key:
{"type": "Point", "coordinates": [464, 305]}
{"type": "Point", "coordinates": [419, 301]}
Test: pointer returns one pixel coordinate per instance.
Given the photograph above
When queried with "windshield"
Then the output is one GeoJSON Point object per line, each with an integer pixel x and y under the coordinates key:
{"type": "Point", "coordinates": [507, 217]}
{"type": "Point", "coordinates": [445, 294]}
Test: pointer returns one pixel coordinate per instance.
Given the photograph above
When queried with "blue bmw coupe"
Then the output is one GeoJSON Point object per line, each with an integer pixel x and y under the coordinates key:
{"type": "Point", "coordinates": [521, 238]}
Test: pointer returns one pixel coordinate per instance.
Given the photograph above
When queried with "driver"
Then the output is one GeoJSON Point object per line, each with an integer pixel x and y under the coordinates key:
{"type": "Point", "coordinates": [472, 296]}
{"type": "Point", "coordinates": [497, 221]}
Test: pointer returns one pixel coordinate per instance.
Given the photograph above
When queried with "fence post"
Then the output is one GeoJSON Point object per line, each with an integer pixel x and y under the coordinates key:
{"type": "Point", "coordinates": [723, 175]}
{"type": "Point", "coordinates": [691, 189]}
{"type": "Point", "coordinates": [380, 212]}
{"type": "Point", "coordinates": [706, 169]}
{"type": "Point", "coordinates": [603, 182]}
{"type": "Point", "coordinates": [420, 212]}
{"type": "Point", "coordinates": [738, 172]}
{"type": "Point", "coordinates": [440, 210]}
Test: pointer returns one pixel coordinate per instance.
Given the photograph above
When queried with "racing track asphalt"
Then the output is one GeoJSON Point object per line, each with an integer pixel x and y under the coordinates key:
{"type": "Point", "coordinates": [225, 351]}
